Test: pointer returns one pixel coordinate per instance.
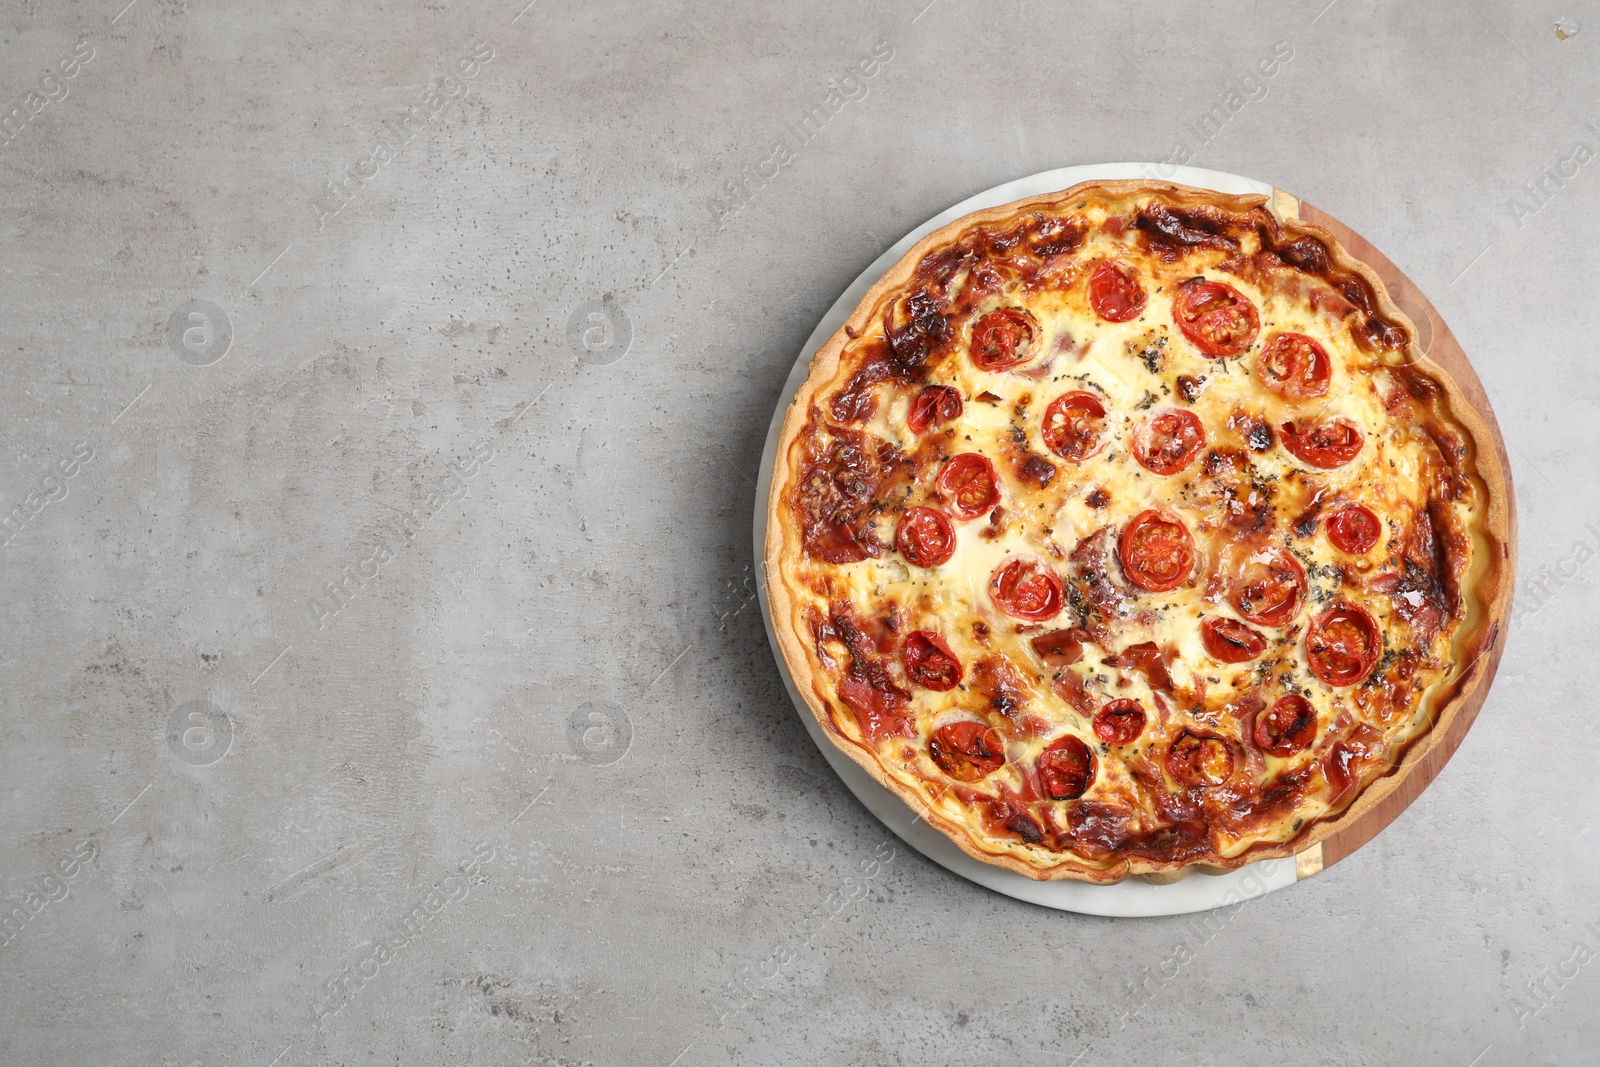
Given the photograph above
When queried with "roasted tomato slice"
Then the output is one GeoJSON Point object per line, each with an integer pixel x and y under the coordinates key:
{"type": "Point", "coordinates": [925, 537]}
{"type": "Point", "coordinates": [1157, 552]}
{"type": "Point", "coordinates": [1115, 292]}
{"type": "Point", "coordinates": [1199, 759]}
{"type": "Point", "coordinates": [1294, 366]}
{"type": "Point", "coordinates": [1003, 339]}
{"type": "Point", "coordinates": [1354, 529]}
{"type": "Point", "coordinates": [935, 404]}
{"type": "Point", "coordinates": [1027, 589]}
{"type": "Point", "coordinates": [1120, 722]}
{"type": "Point", "coordinates": [1270, 588]}
{"type": "Point", "coordinates": [968, 483]}
{"type": "Point", "coordinates": [967, 751]}
{"type": "Point", "coordinates": [1230, 641]}
{"type": "Point", "coordinates": [1343, 644]}
{"type": "Point", "coordinates": [1168, 441]}
{"type": "Point", "coordinates": [1074, 425]}
{"type": "Point", "coordinates": [1066, 768]}
{"type": "Point", "coordinates": [929, 661]}
{"type": "Point", "coordinates": [1322, 444]}
{"type": "Point", "coordinates": [1220, 320]}
{"type": "Point", "coordinates": [1287, 727]}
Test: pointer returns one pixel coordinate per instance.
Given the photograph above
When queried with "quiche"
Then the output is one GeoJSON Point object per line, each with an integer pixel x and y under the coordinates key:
{"type": "Point", "coordinates": [1127, 531]}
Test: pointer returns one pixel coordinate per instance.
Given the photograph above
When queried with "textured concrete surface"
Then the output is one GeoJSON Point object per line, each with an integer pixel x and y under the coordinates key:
{"type": "Point", "coordinates": [384, 386]}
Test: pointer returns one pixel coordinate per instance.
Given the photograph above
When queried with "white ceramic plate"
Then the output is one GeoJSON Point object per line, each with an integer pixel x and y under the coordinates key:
{"type": "Point", "coordinates": [1198, 892]}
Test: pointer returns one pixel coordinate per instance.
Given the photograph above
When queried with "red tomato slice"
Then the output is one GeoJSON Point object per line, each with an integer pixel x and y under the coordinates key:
{"type": "Point", "coordinates": [1115, 292]}
{"type": "Point", "coordinates": [1354, 529]}
{"type": "Point", "coordinates": [1287, 727]}
{"type": "Point", "coordinates": [1294, 366]}
{"type": "Point", "coordinates": [1003, 339]}
{"type": "Point", "coordinates": [1028, 590]}
{"type": "Point", "coordinates": [968, 482]}
{"type": "Point", "coordinates": [1198, 759]}
{"type": "Point", "coordinates": [1343, 645]}
{"type": "Point", "coordinates": [1168, 441]}
{"type": "Point", "coordinates": [1066, 768]}
{"type": "Point", "coordinates": [930, 663]}
{"type": "Point", "coordinates": [1220, 320]}
{"type": "Point", "coordinates": [967, 751]}
{"type": "Point", "coordinates": [934, 405]}
{"type": "Point", "coordinates": [1322, 444]}
{"type": "Point", "coordinates": [1229, 641]}
{"type": "Point", "coordinates": [1270, 588]}
{"type": "Point", "coordinates": [1074, 425]}
{"type": "Point", "coordinates": [1157, 552]}
{"type": "Point", "coordinates": [1120, 722]}
{"type": "Point", "coordinates": [925, 537]}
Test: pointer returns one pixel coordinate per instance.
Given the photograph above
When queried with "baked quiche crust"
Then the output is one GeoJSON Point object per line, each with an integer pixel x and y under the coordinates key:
{"type": "Point", "coordinates": [1127, 530]}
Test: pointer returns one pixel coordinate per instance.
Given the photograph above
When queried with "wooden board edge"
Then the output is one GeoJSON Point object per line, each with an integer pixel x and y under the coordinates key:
{"type": "Point", "coordinates": [1308, 862]}
{"type": "Point", "coordinates": [1436, 340]}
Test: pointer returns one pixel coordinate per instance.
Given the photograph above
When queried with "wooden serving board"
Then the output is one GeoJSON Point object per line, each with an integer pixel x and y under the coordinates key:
{"type": "Point", "coordinates": [1439, 345]}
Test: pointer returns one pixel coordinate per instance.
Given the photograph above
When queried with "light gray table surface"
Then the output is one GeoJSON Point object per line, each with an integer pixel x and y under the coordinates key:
{"type": "Point", "coordinates": [383, 678]}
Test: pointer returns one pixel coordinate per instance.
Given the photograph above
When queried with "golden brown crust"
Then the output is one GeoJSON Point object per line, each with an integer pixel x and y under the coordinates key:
{"type": "Point", "coordinates": [1488, 594]}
